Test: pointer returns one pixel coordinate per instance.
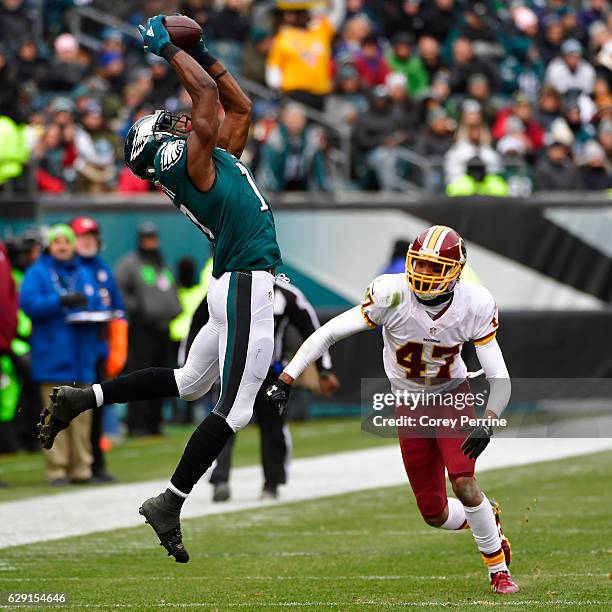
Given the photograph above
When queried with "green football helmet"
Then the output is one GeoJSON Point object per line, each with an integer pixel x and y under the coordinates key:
{"type": "Point", "coordinates": [147, 135]}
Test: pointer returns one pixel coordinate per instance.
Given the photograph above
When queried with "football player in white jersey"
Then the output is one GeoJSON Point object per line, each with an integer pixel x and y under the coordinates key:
{"type": "Point", "coordinates": [426, 315]}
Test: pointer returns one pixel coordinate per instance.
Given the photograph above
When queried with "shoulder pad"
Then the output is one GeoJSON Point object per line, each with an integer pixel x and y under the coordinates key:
{"type": "Point", "coordinates": [479, 297]}
{"type": "Point", "coordinates": [388, 290]}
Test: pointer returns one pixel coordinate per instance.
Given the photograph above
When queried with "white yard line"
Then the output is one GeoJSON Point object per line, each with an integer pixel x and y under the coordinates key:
{"type": "Point", "coordinates": [86, 511]}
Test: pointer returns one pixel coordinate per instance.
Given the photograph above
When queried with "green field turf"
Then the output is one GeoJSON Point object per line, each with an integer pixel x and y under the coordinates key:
{"type": "Point", "coordinates": [156, 457]}
{"type": "Point", "coordinates": [363, 551]}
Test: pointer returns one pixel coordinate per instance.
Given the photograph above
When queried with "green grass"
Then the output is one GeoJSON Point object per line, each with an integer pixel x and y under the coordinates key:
{"type": "Point", "coordinates": [156, 457]}
{"type": "Point", "coordinates": [363, 551]}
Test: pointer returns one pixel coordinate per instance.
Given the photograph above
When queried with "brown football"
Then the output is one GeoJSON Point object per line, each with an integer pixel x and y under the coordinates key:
{"type": "Point", "coordinates": [184, 31]}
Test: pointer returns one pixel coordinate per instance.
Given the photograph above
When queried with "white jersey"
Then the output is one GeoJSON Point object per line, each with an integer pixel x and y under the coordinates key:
{"type": "Point", "coordinates": [418, 346]}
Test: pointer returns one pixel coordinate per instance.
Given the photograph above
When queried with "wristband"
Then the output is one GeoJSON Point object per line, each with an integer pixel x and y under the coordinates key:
{"type": "Point", "coordinates": [206, 59]}
{"type": "Point", "coordinates": [216, 77]}
{"type": "Point", "coordinates": [168, 51]}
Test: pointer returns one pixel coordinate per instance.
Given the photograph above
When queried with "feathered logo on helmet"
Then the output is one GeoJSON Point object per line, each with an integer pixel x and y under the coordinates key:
{"type": "Point", "coordinates": [143, 132]}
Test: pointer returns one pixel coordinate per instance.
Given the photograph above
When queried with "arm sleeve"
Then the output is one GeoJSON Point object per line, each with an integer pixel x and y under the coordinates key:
{"type": "Point", "coordinates": [304, 318]}
{"type": "Point", "coordinates": [342, 326]}
{"type": "Point", "coordinates": [492, 362]}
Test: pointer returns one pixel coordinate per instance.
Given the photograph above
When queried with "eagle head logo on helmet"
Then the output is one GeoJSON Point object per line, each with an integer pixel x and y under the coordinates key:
{"type": "Point", "coordinates": [434, 261]}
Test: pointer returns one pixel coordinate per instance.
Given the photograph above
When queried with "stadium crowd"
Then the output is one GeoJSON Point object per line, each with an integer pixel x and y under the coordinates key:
{"type": "Point", "coordinates": [484, 97]}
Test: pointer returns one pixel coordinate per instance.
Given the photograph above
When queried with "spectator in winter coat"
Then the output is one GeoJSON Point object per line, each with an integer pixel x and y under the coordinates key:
{"type": "Point", "coordinates": [549, 106]}
{"type": "Point", "coordinates": [532, 130]}
{"type": "Point", "coordinates": [400, 59]}
{"type": "Point", "coordinates": [379, 132]}
{"type": "Point", "coordinates": [429, 54]}
{"type": "Point", "coordinates": [149, 295]}
{"type": "Point", "coordinates": [472, 147]}
{"type": "Point", "coordinates": [9, 88]}
{"type": "Point", "coordinates": [436, 138]}
{"type": "Point", "coordinates": [227, 31]}
{"type": "Point", "coordinates": [353, 34]}
{"type": "Point", "coordinates": [371, 64]}
{"type": "Point", "coordinates": [604, 137]}
{"type": "Point", "coordinates": [165, 82]}
{"type": "Point", "coordinates": [407, 16]}
{"type": "Point", "coordinates": [57, 291]}
{"type": "Point", "coordinates": [440, 18]}
{"type": "Point", "coordinates": [95, 147]}
{"type": "Point", "coordinates": [29, 65]}
{"type": "Point", "coordinates": [555, 171]}
{"type": "Point", "coordinates": [300, 58]}
{"type": "Point", "coordinates": [56, 150]}
{"type": "Point", "coordinates": [112, 340]}
{"type": "Point", "coordinates": [66, 70]}
{"type": "Point", "coordinates": [349, 100]}
{"type": "Point", "coordinates": [594, 173]}
{"type": "Point", "coordinates": [464, 64]}
{"type": "Point", "coordinates": [16, 23]}
{"type": "Point", "coordinates": [571, 71]}
{"type": "Point", "coordinates": [292, 156]}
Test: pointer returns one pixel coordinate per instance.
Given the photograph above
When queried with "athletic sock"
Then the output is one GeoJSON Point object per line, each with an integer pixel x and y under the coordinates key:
{"type": "Point", "coordinates": [456, 515]}
{"type": "Point", "coordinates": [482, 523]}
{"type": "Point", "coordinates": [205, 444]}
{"type": "Point", "coordinates": [149, 383]}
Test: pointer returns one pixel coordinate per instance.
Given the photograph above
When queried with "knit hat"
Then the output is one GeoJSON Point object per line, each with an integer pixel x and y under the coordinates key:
{"type": "Point", "coordinates": [61, 229]}
{"type": "Point", "coordinates": [66, 42]}
{"type": "Point", "coordinates": [571, 46]}
{"type": "Point", "coordinates": [593, 152]}
{"type": "Point", "coordinates": [147, 228]}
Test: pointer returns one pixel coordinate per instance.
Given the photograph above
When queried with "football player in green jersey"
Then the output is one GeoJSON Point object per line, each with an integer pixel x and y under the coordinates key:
{"type": "Point", "coordinates": [195, 160]}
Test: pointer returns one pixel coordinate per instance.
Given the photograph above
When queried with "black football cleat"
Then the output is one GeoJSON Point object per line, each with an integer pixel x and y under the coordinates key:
{"type": "Point", "coordinates": [65, 404]}
{"type": "Point", "coordinates": [164, 517]}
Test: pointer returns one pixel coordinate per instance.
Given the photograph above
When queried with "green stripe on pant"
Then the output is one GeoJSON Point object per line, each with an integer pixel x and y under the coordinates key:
{"type": "Point", "coordinates": [238, 311]}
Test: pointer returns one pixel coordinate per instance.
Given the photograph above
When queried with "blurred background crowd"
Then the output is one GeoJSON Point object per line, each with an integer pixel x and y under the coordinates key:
{"type": "Point", "coordinates": [64, 321]}
{"type": "Point", "coordinates": [487, 97]}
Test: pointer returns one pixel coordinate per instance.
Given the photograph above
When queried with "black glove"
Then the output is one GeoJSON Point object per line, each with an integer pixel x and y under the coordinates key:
{"type": "Point", "coordinates": [278, 395]}
{"type": "Point", "coordinates": [477, 440]}
{"type": "Point", "coordinates": [74, 300]}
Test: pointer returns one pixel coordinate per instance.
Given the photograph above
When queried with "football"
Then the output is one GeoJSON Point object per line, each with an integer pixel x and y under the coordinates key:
{"type": "Point", "coordinates": [184, 31]}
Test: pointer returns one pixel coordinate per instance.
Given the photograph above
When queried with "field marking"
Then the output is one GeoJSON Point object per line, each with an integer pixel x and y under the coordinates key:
{"type": "Point", "coordinates": [307, 578]}
{"type": "Point", "coordinates": [345, 605]}
{"type": "Point", "coordinates": [53, 517]}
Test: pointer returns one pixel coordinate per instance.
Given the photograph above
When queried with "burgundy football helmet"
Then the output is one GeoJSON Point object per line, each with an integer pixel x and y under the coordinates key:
{"type": "Point", "coordinates": [435, 260]}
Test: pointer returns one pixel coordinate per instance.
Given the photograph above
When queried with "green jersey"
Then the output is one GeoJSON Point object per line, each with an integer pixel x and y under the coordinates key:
{"type": "Point", "coordinates": [232, 214]}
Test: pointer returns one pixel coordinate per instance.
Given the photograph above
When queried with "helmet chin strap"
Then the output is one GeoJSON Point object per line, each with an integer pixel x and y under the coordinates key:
{"type": "Point", "coordinates": [435, 300]}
